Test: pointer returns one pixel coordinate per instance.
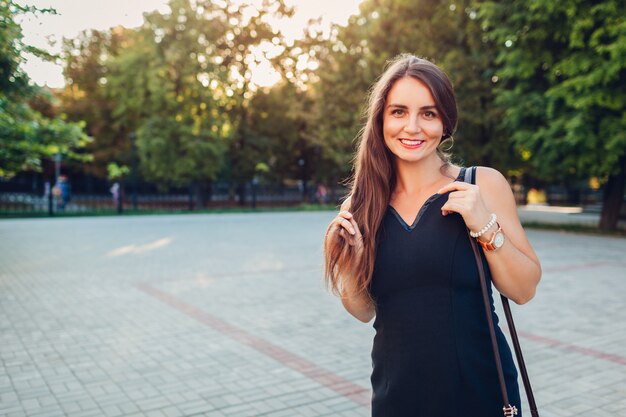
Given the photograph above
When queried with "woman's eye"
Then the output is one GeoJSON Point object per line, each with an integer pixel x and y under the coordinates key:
{"type": "Point", "coordinates": [397, 112]}
{"type": "Point", "coordinates": [430, 114]}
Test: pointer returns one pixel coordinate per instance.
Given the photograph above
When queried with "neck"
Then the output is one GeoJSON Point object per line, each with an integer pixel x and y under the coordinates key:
{"type": "Point", "coordinates": [412, 178]}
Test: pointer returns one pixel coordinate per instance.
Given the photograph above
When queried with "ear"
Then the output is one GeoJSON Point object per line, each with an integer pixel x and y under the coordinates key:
{"type": "Point", "coordinates": [446, 133]}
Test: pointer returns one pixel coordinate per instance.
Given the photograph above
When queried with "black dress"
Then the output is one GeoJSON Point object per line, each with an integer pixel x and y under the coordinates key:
{"type": "Point", "coordinates": [432, 354]}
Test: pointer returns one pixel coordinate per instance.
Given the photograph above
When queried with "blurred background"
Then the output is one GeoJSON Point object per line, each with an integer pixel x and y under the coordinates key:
{"type": "Point", "coordinates": [130, 106]}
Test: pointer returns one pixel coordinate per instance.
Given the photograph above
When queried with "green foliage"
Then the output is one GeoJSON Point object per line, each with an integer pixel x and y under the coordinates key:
{"type": "Point", "coordinates": [180, 83]}
{"type": "Point", "coordinates": [562, 71]}
{"type": "Point", "coordinates": [172, 153]}
{"type": "Point", "coordinates": [116, 171]}
{"type": "Point", "coordinates": [281, 119]}
{"type": "Point", "coordinates": [13, 80]}
{"type": "Point", "coordinates": [84, 97]}
{"type": "Point", "coordinates": [26, 136]}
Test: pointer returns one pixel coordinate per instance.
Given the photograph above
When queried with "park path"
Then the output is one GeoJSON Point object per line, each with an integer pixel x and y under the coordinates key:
{"type": "Point", "coordinates": [226, 315]}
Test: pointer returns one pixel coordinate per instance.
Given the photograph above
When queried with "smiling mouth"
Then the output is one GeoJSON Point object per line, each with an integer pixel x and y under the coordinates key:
{"type": "Point", "coordinates": [411, 142]}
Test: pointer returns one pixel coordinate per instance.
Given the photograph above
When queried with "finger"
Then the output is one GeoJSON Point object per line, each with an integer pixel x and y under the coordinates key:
{"type": "Point", "coordinates": [355, 226]}
{"type": "Point", "coordinates": [347, 225]}
{"type": "Point", "coordinates": [347, 237]}
{"type": "Point", "coordinates": [453, 207]}
{"type": "Point", "coordinates": [456, 185]}
{"type": "Point", "coordinates": [338, 224]}
{"type": "Point", "coordinates": [345, 214]}
{"type": "Point", "coordinates": [341, 218]}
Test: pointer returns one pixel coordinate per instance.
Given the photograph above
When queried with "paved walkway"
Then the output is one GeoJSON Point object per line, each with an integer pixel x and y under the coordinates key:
{"type": "Point", "coordinates": [561, 216]}
{"type": "Point", "coordinates": [226, 315]}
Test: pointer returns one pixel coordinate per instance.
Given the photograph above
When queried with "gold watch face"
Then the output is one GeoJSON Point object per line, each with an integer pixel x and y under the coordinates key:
{"type": "Point", "coordinates": [499, 240]}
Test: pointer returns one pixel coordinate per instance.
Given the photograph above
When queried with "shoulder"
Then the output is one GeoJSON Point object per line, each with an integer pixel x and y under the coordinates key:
{"type": "Point", "coordinates": [495, 189]}
{"type": "Point", "coordinates": [491, 179]}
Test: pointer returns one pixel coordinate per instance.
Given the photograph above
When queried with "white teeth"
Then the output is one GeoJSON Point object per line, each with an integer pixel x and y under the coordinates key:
{"type": "Point", "coordinates": [411, 142]}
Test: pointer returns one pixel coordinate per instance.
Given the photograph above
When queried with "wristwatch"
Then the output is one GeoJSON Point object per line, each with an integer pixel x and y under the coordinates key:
{"type": "Point", "coordinates": [496, 242]}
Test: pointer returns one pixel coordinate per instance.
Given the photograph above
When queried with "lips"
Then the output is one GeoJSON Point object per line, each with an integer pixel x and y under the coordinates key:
{"type": "Point", "coordinates": [411, 143]}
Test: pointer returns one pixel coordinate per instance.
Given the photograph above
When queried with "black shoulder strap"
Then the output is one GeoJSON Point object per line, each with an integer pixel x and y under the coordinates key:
{"type": "Point", "coordinates": [469, 174]}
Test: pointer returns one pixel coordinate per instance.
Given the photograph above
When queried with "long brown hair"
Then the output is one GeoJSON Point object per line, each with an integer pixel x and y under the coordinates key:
{"type": "Point", "coordinates": [374, 176]}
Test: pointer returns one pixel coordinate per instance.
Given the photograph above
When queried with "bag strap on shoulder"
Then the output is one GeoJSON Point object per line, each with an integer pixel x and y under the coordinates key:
{"type": "Point", "coordinates": [508, 409]}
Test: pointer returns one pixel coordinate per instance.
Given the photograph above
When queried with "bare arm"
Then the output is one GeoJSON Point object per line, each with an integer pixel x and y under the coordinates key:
{"type": "Point", "coordinates": [514, 267]}
{"type": "Point", "coordinates": [359, 305]}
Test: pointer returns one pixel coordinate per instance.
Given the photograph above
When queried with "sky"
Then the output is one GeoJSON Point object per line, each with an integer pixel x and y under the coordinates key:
{"type": "Point", "coordinates": [47, 31]}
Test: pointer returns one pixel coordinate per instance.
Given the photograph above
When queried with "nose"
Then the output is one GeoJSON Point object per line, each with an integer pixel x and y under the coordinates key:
{"type": "Point", "coordinates": [412, 125]}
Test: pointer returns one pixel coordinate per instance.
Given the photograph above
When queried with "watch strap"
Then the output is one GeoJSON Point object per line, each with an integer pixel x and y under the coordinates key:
{"type": "Point", "coordinates": [490, 246]}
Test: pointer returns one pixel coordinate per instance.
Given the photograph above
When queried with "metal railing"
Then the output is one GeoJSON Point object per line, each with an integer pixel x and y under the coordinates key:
{"type": "Point", "coordinates": [28, 203]}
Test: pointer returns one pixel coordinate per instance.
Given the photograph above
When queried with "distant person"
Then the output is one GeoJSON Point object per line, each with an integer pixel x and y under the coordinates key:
{"type": "Point", "coordinates": [321, 194]}
{"type": "Point", "coordinates": [66, 192]}
{"type": "Point", "coordinates": [399, 251]}
{"type": "Point", "coordinates": [115, 193]}
{"type": "Point", "coordinates": [57, 193]}
{"type": "Point", "coordinates": [47, 195]}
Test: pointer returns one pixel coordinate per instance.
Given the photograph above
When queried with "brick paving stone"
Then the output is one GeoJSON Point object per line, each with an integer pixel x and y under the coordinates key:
{"type": "Point", "coordinates": [86, 413]}
{"type": "Point", "coordinates": [128, 407]}
{"type": "Point", "coordinates": [15, 414]}
{"type": "Point", "coordinates": [45, 401]}
{"type": "Point", "coordinates": [238, 410]}
{"type": "Point", "coordinates": [197, 407]}
{"type": "Point", "coordinates": [155, 413]}
{"type": "Point", "coordinates": [8, 397]}
{"type": "Point", "coordinates": [70, 407]}
{"type": "Point", "coordinates": [153, 403]}
{"type": "Point", "coordinates": [172, 412]}
{"type": "Point", "coordinates": [243, 325]}
{"type": "Point", "coordinates": [112, 411]}
{"type": "Point", "coordinates": [48, 412]}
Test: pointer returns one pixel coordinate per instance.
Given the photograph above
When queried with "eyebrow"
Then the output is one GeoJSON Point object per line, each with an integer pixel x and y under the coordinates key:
{"type": "Point", "coordinates": [402, 106]}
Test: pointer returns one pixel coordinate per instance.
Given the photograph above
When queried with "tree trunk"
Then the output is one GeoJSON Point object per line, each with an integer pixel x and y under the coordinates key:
{"type": "Point", "coordinates": [241, 192]}
{"type": "Point", "coordinates": [305, 190]}
{"type": "Point", "coordinates": [120, 198]}
{"type": "Point", "coordinates": [209, 193]}
{"type": "Point", "coordinates": [191, 193]}
{"type": "Point", "coordinates": [201, 194]}
{"type": "Point", "coordinates": [613, 198]}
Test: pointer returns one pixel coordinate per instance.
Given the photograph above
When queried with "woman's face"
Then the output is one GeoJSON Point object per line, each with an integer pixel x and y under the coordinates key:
{"type": "Point", "coordinates": [412, 126]}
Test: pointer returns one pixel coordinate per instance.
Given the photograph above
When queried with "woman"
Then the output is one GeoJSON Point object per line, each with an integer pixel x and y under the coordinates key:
{"type": "Point", "coordinates": [399, 250]}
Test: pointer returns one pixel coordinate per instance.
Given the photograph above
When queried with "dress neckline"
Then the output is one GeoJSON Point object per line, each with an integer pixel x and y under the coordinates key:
{"type": "Point", "coordinates": [423, 208]}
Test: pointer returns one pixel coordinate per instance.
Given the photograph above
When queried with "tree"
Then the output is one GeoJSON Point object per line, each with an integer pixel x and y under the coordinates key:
{"type": "Point", "coordinates": [282, 121]}
{"type": "Point", "coordinates": [243, 30]}
{"type": "Point", "coordinates": [84, 96]}
{"type": "Point", "coordinates": [161, 86]}
{"type": "Point", "coordinates": [26, 136]}
{"type": "Point", "coordinates": [562, 67]}
{"type": "Point", "coordinates": [182, 83]}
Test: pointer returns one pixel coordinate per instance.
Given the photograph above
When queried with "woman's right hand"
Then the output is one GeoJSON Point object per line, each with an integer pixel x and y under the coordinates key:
{"type": "Point", "coordinates": [349, 230]}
